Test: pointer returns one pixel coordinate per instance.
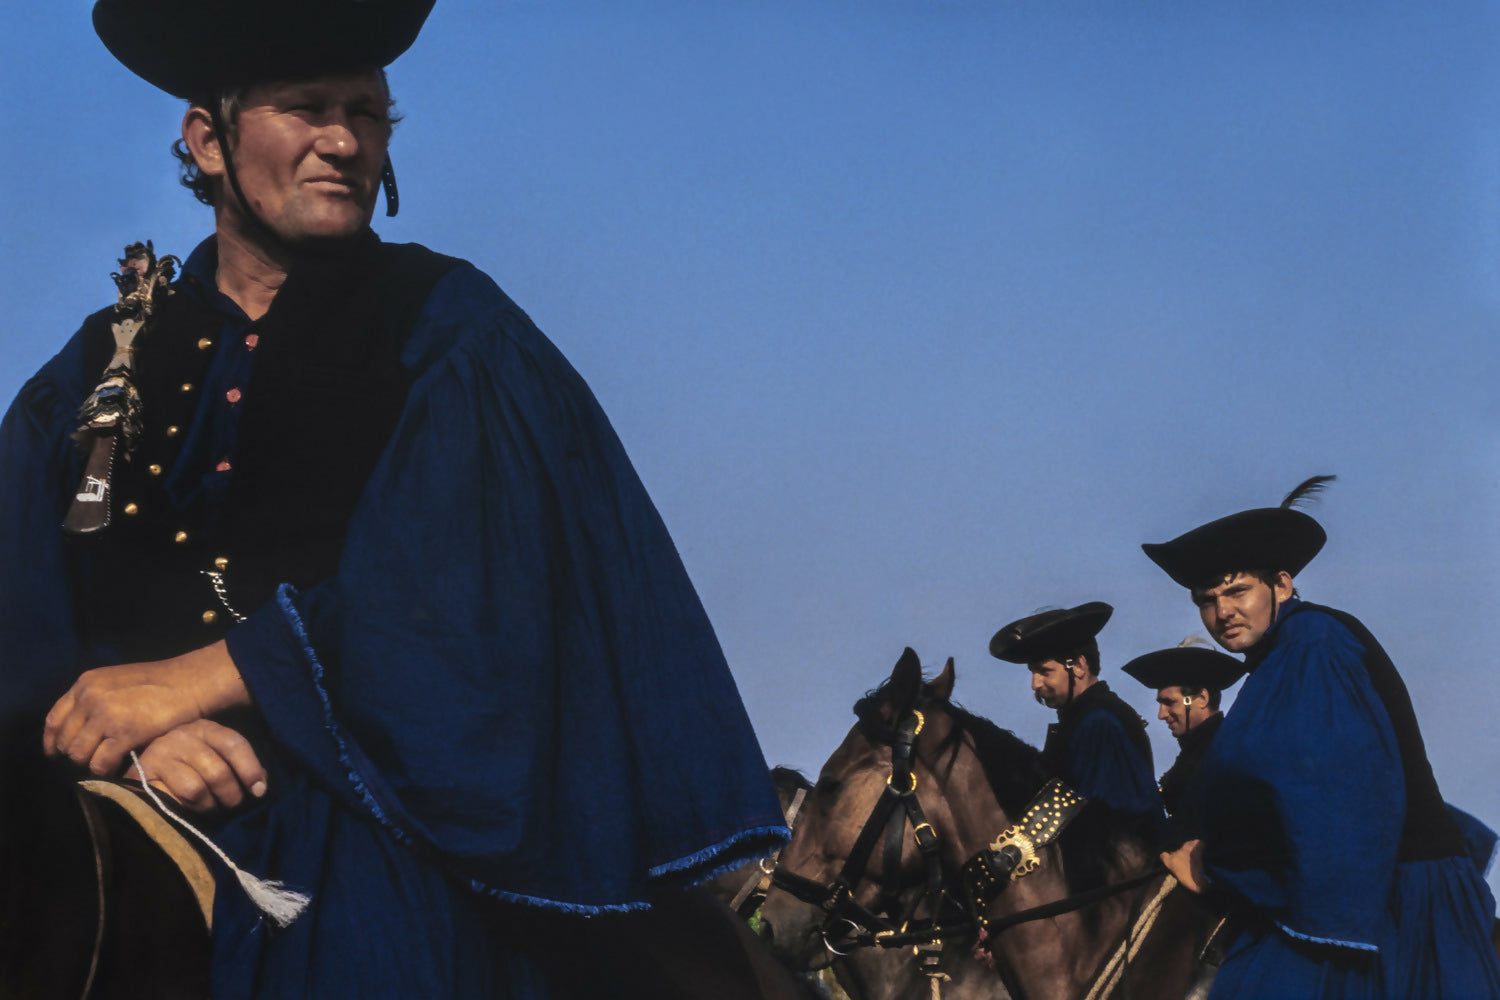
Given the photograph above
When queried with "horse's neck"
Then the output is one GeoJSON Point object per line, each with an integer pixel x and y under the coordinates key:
{"type": "Point", "coordinates": [1060, 958]}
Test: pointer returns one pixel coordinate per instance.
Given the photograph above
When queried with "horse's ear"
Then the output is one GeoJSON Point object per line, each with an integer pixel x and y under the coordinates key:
{"type": "Point", "coordinates": [906, 681]}
{"type": "Point", "coordinates": [941, 687]}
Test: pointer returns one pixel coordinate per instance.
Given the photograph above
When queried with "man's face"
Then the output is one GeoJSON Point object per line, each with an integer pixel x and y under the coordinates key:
{"type": "Point", "coordinates": [1238, 611]}
{"type": "Point", "coordinates": [1180, 712]}
{"type": "Point", "coordinates": [309, 155]}
{"type": "Point", "coordinates": [1049, 682]}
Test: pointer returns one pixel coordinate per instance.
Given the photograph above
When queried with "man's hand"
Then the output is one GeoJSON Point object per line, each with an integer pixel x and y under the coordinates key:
{"type": "Point", "coordinates": [110, 711]}
{"type": "Point", "coordinates": [204, 766]}
{"type": "Point", "coordinates": [1187, 864]}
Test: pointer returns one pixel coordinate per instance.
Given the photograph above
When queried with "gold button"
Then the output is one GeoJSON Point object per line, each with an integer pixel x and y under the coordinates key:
{"type": "Point", "coordinates": [132, 509]}
{"type": "Point", "coordinates": [221, 563]}
{"type": "Point", "coordinates": [209, 617]}
{"type": "Point", "coordinates": [155, 470]}
{"type": "Point", "coordinates": [180, 538]}
{"type": "Point", "coordinates": [187, 387]}
{"type": "Point", "coordinates": [172, 431]}
{"type": "Point", "coordinates": [205, 344]}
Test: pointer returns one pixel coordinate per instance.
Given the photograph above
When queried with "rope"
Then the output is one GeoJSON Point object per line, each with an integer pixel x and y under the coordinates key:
{"type": "Point", "coordinates": [1114, 969]}
{"type": "Point", "coordinates": [272, 898]}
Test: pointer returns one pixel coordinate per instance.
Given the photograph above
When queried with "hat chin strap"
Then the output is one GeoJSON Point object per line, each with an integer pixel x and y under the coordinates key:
{"type": "Point", "coordinates": [387, 179]}
{"type": "Point", "coordinates": [388, 185]}
{"type": "Point", "coordinates": [234, 182]}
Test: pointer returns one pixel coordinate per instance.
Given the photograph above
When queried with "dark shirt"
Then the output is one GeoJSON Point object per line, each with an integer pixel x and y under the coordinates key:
{"type": "Point", "coordinates": [1191, 746]}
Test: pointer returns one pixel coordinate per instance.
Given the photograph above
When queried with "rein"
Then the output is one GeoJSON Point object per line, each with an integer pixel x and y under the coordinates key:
{"type": "Point", "coordinates": [1013, 855]}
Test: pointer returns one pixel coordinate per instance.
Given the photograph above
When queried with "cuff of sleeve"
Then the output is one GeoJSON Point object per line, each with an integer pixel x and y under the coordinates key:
{"type": "Point", "coordinates": [274, 656]}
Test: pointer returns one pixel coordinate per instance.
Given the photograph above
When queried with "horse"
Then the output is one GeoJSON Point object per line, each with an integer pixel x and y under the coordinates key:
{"type": "Point", "coordinates": [1062, 921]}
{"type": "Point", "coordinates": [864, 974]}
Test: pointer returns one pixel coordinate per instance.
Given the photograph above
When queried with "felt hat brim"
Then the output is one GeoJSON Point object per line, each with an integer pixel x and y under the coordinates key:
{"type": "Point", "coordinates": [194, 49]}
{"type": "Point", "coordinates": [1274, 538]}
{"type": "Point", "coordinates": [1046, 635]}
{"type": "Point", "coordinates": [1186, 666]}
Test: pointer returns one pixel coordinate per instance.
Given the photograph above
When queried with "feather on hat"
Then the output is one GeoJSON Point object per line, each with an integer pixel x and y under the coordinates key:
{"type": "Point", "coordinates": [1276, 538]}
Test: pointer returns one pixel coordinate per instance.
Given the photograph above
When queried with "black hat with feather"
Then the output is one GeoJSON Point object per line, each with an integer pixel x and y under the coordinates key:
{"type": "Point", "coordinates": [1274, 538]}
{"type": "Point", "coordinates": [1049, 634]}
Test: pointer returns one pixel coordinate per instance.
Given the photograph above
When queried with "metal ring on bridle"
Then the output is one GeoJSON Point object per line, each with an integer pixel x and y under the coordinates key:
{"type": "Point", "coordinates": [906, 791]}
{"type": "Point", "coordinates": [823, 933]}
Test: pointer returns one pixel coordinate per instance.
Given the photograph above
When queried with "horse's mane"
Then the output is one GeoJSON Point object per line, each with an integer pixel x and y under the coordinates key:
{"type": "Point", "coordinates": [789, 779]}
{"type": "Point", "coordinates": [1012, 766]}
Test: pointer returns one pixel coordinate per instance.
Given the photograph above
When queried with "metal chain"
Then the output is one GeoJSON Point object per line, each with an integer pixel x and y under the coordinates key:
{"type": "Point", "coordinates": [217, 580]}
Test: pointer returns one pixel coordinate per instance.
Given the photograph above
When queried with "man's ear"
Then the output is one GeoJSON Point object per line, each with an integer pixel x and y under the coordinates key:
{"type": "Point", "coordinates": [200, 138]}
{"type": "Point", "coordinates": [1081, 664]}
{"type": "Point", "coordinates": [1284, 587]}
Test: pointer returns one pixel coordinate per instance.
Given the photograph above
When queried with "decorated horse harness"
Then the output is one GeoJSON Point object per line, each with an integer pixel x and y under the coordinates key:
{"type": "Point", "coordinates": [950, 914]}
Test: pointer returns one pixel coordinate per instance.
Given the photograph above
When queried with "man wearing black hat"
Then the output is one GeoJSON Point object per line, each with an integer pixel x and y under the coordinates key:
{"type": "Point", "coordinates": [354, 562]}
{"type": "Point", "coordinates": [1098, 743]}
{"type": "Point", "coordinates": [1188, 681]}
{"type": "Point", "coordinates": [1316, 815]}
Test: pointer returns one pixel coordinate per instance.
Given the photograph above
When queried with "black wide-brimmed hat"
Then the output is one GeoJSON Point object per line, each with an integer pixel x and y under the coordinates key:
{"type": "Point", "coordinates": [1274, 538]}
{"type": "Point", "coordinates": [195, 48]}
{"type": "Point", "coordinates": [1186, 666]}
{"type": "Point", "coordinates": [1048, 634]}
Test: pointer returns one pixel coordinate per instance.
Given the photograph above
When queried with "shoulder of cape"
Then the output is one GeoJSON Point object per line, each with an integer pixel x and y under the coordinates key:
{"type": "Point", "coordinates": [410, 270]}
{"type": "Point", "coordinates": [1314, 623]}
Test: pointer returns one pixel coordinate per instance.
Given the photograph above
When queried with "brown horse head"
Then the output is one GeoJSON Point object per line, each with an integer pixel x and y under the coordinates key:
{"type": "Point", "coordinates": [953, 789]}
{"type": "Point", "coordinates": [971, 781]}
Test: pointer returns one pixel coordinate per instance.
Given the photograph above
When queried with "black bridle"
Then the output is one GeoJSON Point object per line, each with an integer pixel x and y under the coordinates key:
{"type": "Point", "coordinates": [896, 808]}
{"type": "Point", "coordinates": [1014, 854]}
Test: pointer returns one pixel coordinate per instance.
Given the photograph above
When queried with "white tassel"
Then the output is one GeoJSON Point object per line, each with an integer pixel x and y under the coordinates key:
{"type": "Point", "coordinates": [271, 897]}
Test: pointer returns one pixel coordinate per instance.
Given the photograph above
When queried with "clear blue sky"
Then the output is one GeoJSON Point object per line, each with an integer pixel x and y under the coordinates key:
{"type": "Point", "coordinates": [918, 316]}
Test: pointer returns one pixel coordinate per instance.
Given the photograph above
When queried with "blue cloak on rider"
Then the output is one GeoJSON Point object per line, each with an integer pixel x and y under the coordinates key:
{"type": "Point", "coordinates": [505, 695]}
{"type": "Point", "coordinates": [1302, 804]}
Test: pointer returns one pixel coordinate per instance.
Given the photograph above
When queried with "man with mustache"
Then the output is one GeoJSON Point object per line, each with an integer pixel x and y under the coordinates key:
{"type": "Point", "coordinates": [1098, 744]}
{"type": "Point", "coordinates": [356, 568]}
{"type": "Point", "coordinates": [1188, 681]}
{"type": "Point", "coordinates": [1315, 816]}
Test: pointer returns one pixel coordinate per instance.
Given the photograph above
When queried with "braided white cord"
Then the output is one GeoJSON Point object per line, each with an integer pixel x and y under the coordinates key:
{"type": "Point", "coordinates": [272, 898]}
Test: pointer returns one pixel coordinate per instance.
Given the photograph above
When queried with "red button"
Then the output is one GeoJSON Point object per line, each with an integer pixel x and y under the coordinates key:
{"type": "Point", "coordinates": [233, 395]}
{"type": "Point", "coordinates": [223, 465]}
{"type": "Point", "coordinates": [251, 339]}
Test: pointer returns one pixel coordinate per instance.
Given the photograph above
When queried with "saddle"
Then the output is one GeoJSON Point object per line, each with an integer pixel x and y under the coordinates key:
{"type": "Point", "coordinates": [112, 901]}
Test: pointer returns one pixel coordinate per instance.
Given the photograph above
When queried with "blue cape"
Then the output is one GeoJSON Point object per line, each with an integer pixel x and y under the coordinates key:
{"type": "Point", "coordinates": [509, 684]}
{"type": "Point", "coordinates": [1301, 793]}
{"type": "Point", "coordinates": [1107, 768]}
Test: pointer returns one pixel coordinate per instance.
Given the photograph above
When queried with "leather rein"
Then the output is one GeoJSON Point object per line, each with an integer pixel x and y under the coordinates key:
{"type": "Point", "coordinates": [1014, 854]}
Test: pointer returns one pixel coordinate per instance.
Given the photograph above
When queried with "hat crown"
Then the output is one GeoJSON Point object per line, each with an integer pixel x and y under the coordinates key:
{"type": "Point", "coordinates": [195, 48]}
{"type": "Point", "coordinates": [1044, 634]}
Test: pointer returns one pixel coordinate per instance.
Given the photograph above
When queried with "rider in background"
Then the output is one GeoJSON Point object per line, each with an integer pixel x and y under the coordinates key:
{"type": "Point", "coordinates": [1315, 814]}
{"type": "Point", "coordinates": [1098, 745]}
{"type": "Point", "coordinates": [1188, 680]}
